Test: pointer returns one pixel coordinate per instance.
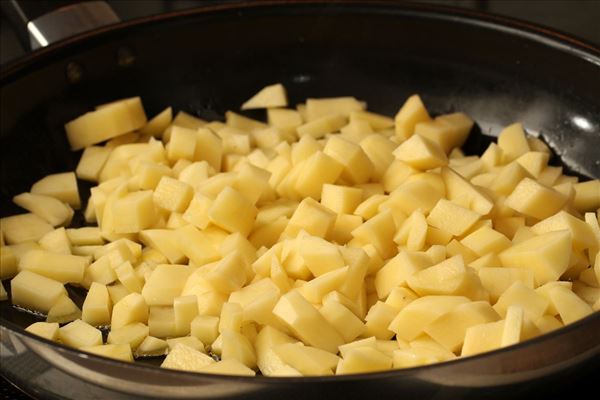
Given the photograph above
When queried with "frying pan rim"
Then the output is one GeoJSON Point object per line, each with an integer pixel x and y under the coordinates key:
{"type": "Point", "coordinates": [546, 36]}
{"type": "Point", "coordinates": [551, 37]}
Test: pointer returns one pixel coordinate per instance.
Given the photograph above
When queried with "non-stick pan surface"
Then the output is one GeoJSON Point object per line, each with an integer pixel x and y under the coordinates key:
{"type": "Point", "coordinates": [207, 61]}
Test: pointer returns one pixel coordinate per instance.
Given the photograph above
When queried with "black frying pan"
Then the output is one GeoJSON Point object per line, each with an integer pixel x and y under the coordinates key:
{"type": "Point", "coordinates": [208, 60]}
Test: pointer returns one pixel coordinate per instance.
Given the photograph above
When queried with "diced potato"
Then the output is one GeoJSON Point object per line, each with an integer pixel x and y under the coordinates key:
{"type": "Point", "coordinates": [535, 200]}
{"type": "Point", "coordinates": [61, 267]}
{"type": "Point", "coordinates": [63, 311]}
{"type": "Point", "coordinates": [165, 241]}
{"type": "Point", "coordinates": [343, 320]}
{"type": "Point", "coordinates": [151, 347]}
{"type": "Point", "coordinates": [570, 307]}
{"type": "Point", "coordinates": [79, 334]}
{"type": "Point", "coordinates": [165, 284]}
{"type": "Point", "coordinates": [228, 367]}
{"type": "Point", "coordinates": [130, 309]}
{"type": "Point", "coordinates": [421, 153]}
{"type": "Point", "coordinates": [410, 114]}
{"type": "Point", "coordinates": [533, 304]}
{"type": "Point", "coordinates": [268, 97]}
{"type": "Point", "coordinates": [53, 211]}
{"type": "Point", "coordinates": [116, 351]}
{"type": "Point", "coordinates": [378, 320]}
{"type": "Point", "coordinates": [451, 217]}
{"type": "Point", "coordinates": [482, 338]}
{"type": "Point", "coordinates": [157, 125]}
{"type": "Point", "coordinates": [56, 241]}
{"type": "Point", "coordinates": [317, 108]}
{"type": "Point", "coordinates": [312, 217]}
{"type": "Point", "coordinates": [62, 186]}
{"type": "Point", "coordinates": [91, 162]}
{"type": "Point", "coordinates": [357, 165]}
{"type": "Point", "coordinates": [581, 233]}
{"type": "Point", "coordinates": [397, 270]}
{"type": "Point", "coordinates": [185, 358]}
{"type": "Point", "coordinates": [24, 228]}
{"type": "Point", "coordinates": [513, 142]}
{"type": "Point", "coordinates": [172, 195]}
{"type": "Point", "coordinates": [35, 292]}
{"type": "Point", "coordinates": [486, 240]}
{"type": "Point", "coordinates": [47, 330]}
{"type": "Point", "coordinates": [308, 360]}
{"type": "Point", "coordinates": [497, 279]}
{"type": "Point", "coordinates": [587, 195]}
{"type": "Point", "coordinates": [232, 212]}
{"type": "Point", "coordinates": [97, 306]}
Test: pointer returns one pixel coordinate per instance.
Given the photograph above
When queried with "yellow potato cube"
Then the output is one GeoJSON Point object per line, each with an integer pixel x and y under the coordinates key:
{"type": "Point", "coordinates": [397, 270]}
{"type": "Point", "coordinates": [47, 330]}
{"type": "Point", "coordinates": [106, 122]}
{"type": "Point", "coordinates": [344, 225]}
{"type": "Point", "coordinates": [24, 228]}
{"type": "Point", "coordinates": [172, 195]}
{"type": "Point", "coordinates": [582, 234]}
{"type": "Point", "coordinates": [421, 153]}
{"type": "Point", "coordinates": [569, 306]}
{"type": "Point", "coordinates": [450, 328]}
{"type": "Point", "coordinates": [165, 284]}
{"type": "Point", "coordinates": [414, 357]}
{"type": "Point", "coordinates": [228, 367]}
{"type": "Point", "coordinates": [284, 119]}
{"type": "Point", "coordinates": [115, 351]}
{"type": "Point", "coordinates": [482, 338]}
{"type": "Point", "coordinates": [186, 120]}
{"type": "Point", "coordinates": [534, 162]}
{"type": "Point", "coordinates": [546, 255]}
{"type": "Point", "coordinates": [315, 289]}
{"type": "Point", "coordinates": [534, 305]}
{"type": "Point", "coordinates": [412, 319]}
{"type": "Point", "coordinates": [117, 291]}
{"type": "Point", "coordinates": [268, 97]}
{"type": "Point", "coordinates": [412, 232]}
{"type": "Point", "coordinates": [62, 186]}
{"type": "Point", "coordinates": [157, 125]}
{"type": "Point", "coordinates": [149, 174]}
{"type": "Point", "coordinates": [587, 195]}
{"type": "Point", "coordinates": [233, 212]}
{"type": "Point", "coordinates": [343, 320]}
{"type": "Point", "coordinates": [306, 359]}
{"type": "Point", "coordinates": [231, 317]}
{"type": "Point", "coordinates": [132, 335]}
{"type": "Point", "coordinates": [317, 108]}
{"type": "Point", "coordinates": [318, 170]}
{"type": "Point", "coordinates": [60, 267]}
{"type": "Point", "coordinates": [410, 114]}
{"type": "Point", "coordinates": [56, 241]}
{"type": "Point", "coordinates": [378, 320]}
{"type": "Point", "coordinates": [357, 167]}
{"type": "Point", "coordinates": [8, 263]}
{"type": "Point", "coordinates": [306, 322]}
{"type": "Point", "coordinates": [497, 279]}
{"type": "Point", "coordinates": [161, 321]}
{"type": "Point", "coordinates": [513, 142]}
{"type": "Point", "coordinates": [134, 212]}
{"type": "Point", "coordinates": [451, 217]}
{"type": "Point", "coordinates": [378, 231]}
{"type": "Point", "coordinates": [53, 211]}
{"type": "Point", "coordinates": [63, 311]}
{"type": "Point", "coordinates": [535, 200]}
{"type": "Point", "coordinates": [91, 162]}
{"type": "Point", "coordinates": [267, 360]}
{"type": "Point", "coordinates": [205, 328]}
{"type": "Point", "coordinates": [97, 306]}
{"type": "Point", "coordinates": [380, 150]}
{"type": "Point", "coordinates": [312, 217]}
{"type": "Point", "coordinates": [195, 245]}
{"type": "Point", "coordinates": [185, 358]}
{"type": "Point", "coordinates": [321, 126]}
{"type": "Point", "coordinates": [189, 341]}
{"type": "Point", "coordinates": [462, 192]}
{"type": "Point", "coordinates": [237, 347]}
{"type": "Point", "coordinates": [79, 334]}
{"type": "Point", "coordinates": [319, 255]}
{"type": "Point", "coordinates": [127, 276]}
{"type": "Point", "coordinates": [485, 240]}
{"type": "Point", "coordinates": [128, 310]}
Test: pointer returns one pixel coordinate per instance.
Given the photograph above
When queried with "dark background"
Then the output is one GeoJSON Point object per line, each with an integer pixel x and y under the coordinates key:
{"type": "Point", "coordinates": [579, 18]}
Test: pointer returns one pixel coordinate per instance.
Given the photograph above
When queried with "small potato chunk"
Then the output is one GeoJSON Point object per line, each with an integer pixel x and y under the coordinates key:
{"type": "Point", "coordinates": [134, 212]}
{"type": "Point", "coordinates": [130, 309]}
{"type": "Point", "coordinates": [513, 142]}
{"type": "Point", "coordinates": [35, 292]}
{"type": "Point", "coordinates": [410, 114]}
{"type": "Point", "coordinates": [64, 268]}
{"type": "Point", "coordinates": [165, 284]}
{"type": "Point", "coordinates": [64, 310]}
{"type": "Point", "coordinates": [357, 165]}
{"type": "Point", "coordinates": [115, 351]}
{"type": "Point", "coordinates": [228, 367]}
{"type": "Point", "coordinates": [24, 228]}
{"type": "Point", "coordinates": [312, 217]}
{"type": "Point", "coordinates": [97, 306]}
{"type": "Point", "coordinates": [62, 186]}
{"type": "Point", "coordinates": [316, 108]}
{"type": "Point", "coordinates": [132, 335]}
{"type": "Point", "coordinates": [157, 125]}
{"type": "Point", "coordinates": [232, 212]}
{"type": "Point", "coordinates": [362, 360]}
{"type": "Point", "coordinates": [482, 338]}
{"type": "Point", "coordinates": [185, 358]}
{"type": "Point", "coordinates": [268, 97]}
{"type": "Point", "coordinates": [587, 195]}
{"type": "Point", "coordinates": [535, 200]}
{"type": "Point", "coordinates": [570, 307]}
{"type": "Point", "coordinates": [53, 211]}
{"type": "Point", "coordinates": [91, 162]}
{"type": "Point", "coordinates": [56, 241]}
{"type": "Point", "coordinates": [172, 195]}
{"type": "Point", "coordinates": [451, 217]}
{"type": "Point", "coordinates": [8, 263]}
{"type": "Point", "coordinates": [151, 347]}
{"type": "Point", "coordinates": [306, 359]}
{"type": "Point", "coordinates": [47, 330]}
{"type": "Point", "coordinates": [421, 153]}
{"type": "Point", "coordinates": [79, 334]}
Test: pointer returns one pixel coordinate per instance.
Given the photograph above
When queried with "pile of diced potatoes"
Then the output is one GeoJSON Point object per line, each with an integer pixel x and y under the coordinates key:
{"type": "Point", "coordinates": [328, 240]}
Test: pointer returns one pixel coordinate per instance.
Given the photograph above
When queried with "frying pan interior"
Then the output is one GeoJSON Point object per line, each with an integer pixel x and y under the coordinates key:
{"type": "Point", "coordinates": [206, 62]}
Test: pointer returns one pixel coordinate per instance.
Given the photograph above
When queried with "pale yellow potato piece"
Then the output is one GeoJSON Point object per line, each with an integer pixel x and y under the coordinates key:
{"type": "Point", "coordinates": [450, 328]}
{"type": "Point", "coordinates": [417, 356]}
{"type": "Point", "coordinates": [587, 195]}
{"type": "Point", "coordinates": [546, 255]}
{"type": "Point", "coordinates": [486, 240]}
{"type": "Point", "coordinates": [482, 338]}
{"type": "Point", "coordinates": [319, 127]}
{"type": "Point", "coordinates": [513, 142]}
{"type": "Point", "coordinates": [120, 352]}
{"type": "Point", "coordinates": [513, 324]}
{"type": "Point", "coordinates": [378, 319]}
{"type": "Point", "coordinates": [56, 241]}
{"type": "Point", "coordinates": [151, 347]}
{"type": "Point", "coordinates": [268, 97]}
{"type": "Point", "coordinates": [357, 165]}
{"type": "Point", "coordinates": [306, 322]}
{"type": "Point", "coordinates": [317, 108]}
{"type": "Point", "coordinates": [497, 279]}
{"type": "Point", "coordinates": [534, 162]}
{"type": "Point", "coordinates": [306, 359]}
{"type": "Point", "coordinates": [534, 305]}
{"type": "Point", "coordinates": [284, 119]}
{"type": "Point", "coordinates": [451, 217]}
{"type": "Point", "coordinates": [343, 320]}
{"type": "Point", "coordinates": [91, 162]}
{"type": "Point", "coordinates": [182, 144]}
{"type": "Point", "coordinates": [378, 231]}
{"type": "Point", "coordinates": [8, 263]}
{"type": "Point", "coordinates": [97, 306]}
{"type": "Point", "coordinates": [376, 121]}
{"type": "Point", "coordinates": [132, 335]}
{"type": "Point", "coordinates": [362, 360]}
{"type": "Point", "coordinates": [318, 170]}
{"type": "Point", "coordinates": [581, 233]}
{"type": "Point", "coordinates": [269, 363]}
{"type": "Point", "coordinates": [79, 334]}
{"type": "Point", "coordinates": [195, 245]}
{"type": "Point", "coordinates": [397, 270]}
{"type": "Point", "coordinates": [228, 367]}
{"type": "Point", "coordinates": [312, 217]}
{"type": "Point", "coordinates": [237, 347]}
{"type": "Point", "coordinates": [410, 114]}
{"type": "Point", "coordinates": [205, 328]}
{"type": "Point", "coordinates": [47, 330]}
{"type": "Point", "coordinates": [228, 274]}
{"type": "Point", "coordinates": [570, 307]}
{"type": "Point", "coordinates": [189, 341]}
{"type": "Point", "coordinates": [62, 186]}
{"type": "Point", "coordinates": [232, 212]}
{"type": "Point", "coordinates": [172, 195]}
{"type": "Point", "coordinates": [412, 319]}
{"type": "Point", "coordinates": [63, 311]}
{"type": "Point", "coordinates": [165, 284]}
{"type": "Point", "coordinates": [535, 200]}
{"type": "Point", "coordinates": [130, 309]}
{"type": "Point", "coordinates": [185, 358]}
{"type": "Point", "coordinates": [166, 242]}
{"type": "Point", "coordinates": [106, 122]}
{"type": "Point", "coordinates": [24, 228]}
{"type": "Point", "coordinates": [421, 153]}
{"type": "Point", "coordinates": [52, 210]}
{"type": "Point", "coordinates": [157, 125]}
{"type": "Point", "coordinates": [462, 192]}
{"type": "Point", "coordinates": [35, 292]}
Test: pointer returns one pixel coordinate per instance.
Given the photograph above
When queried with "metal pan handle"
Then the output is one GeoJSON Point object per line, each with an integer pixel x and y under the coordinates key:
{"type": "Point", "coordinates": [41, 23]}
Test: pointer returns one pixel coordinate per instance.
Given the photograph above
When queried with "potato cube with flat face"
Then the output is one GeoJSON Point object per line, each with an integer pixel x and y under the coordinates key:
{"type": "Point", "coordinates": [582, 234]}
{"type": "Point", "coordinates": [130, 309]}
{"type": "Point", "coordinates": [205, 328]}
{"type": "Point", "coordinates": [587, 195]}
{"type": "Point", "coordinates": [8, 263]}
{"type": "Point", "coordinates": [306, 322]}
{"type": "Point", "coordinates": [189, 341]}
{"type": "Point", "coordinates": [378, 231]}
{"type": "Point", "coordinates": [97, 306]}
{"type": "Point", "coordinates": [134, 212]}
{"type": "Point", "coordinates": [315, 289]}
{"type": "Point", "coordinates": [485, 240]}
{"type": "Point", "coordinates": [397, 270]}
{"type": "Point", "coordinates": [462, 192]}
{"type": "Point", "coordinates": [412, 319]}
{"type": "Point", "coordinates": [61, 267]}
{"type": "Point", "coordinates": [165, 284]}
{"type": "Point", "coordinates": [421, 153]}
{"type": "Point", "coordinates": [449, 329]}
{"type": "Point", "coordinates": [341, 199]}
{"type": "Point", "coordinates": [47, 330]}
{"type": "Point", "coordinates": [318, 170]}
{"type": "Point", "coordinates": [229, 274]}
{"type": "Point", "coordinates": [357, 166]}
{"type": "Point", "coordinates": [182, 144]}
{"type": "Point", "coordinates": [164, 241]}
{"type": "Point", "coordinates": [316, 108]}
{"type": "Point", "coordinates": [52, 210]}
{"type": "Point", "coordinates": [496, 280]}
{"type": "Point", "coordinates": [268, 97]}
{"type": "Point", "coordinates": [185, 358]}
{"type": "Point", "coordinates": [24, 228]}
{"type": "Point", "coordinates": [306, 359]}
{"type": "Point", "coordinates": [284, 119]}
{"type": "Point", "coordinates": [267, 339]}
{"type": "Point", "coordinates": [535, 200]}
{"type": "Point", "coordinates": [343, 320]}
{"type": "Point", "coordinates": [132, 335]}
{"type": "Point", "coordinates": [120, 352]}
{"type": "Point", "coordinates": [79, 334]}
{"type": "Point", "coordinates": [321, 126]}
{"type": "Point", "coordinates": [546, 255]}
{"type": "Point", "coordinates": [451, 217]}
{"type": "Point", "coordinates": [161, 321]}
{"type": "Point", "coordinates": [196, 245]}
{"type": "Point", "coordinates": [35, 292]}
{"type": "Point", "coordinates": [63, 311]}
{"type": "Point", "coordinates": [534, 304]}
{"type": "Point", "coordinates": [172, 195]}
{"type": "Point", "coordinates": [320, 256]}
{"type": "Point", "coordinates": [410, 114]}
{"type": "Point", "coordinates": [312, 217]}
{"type": "Point", "coordinates": [237, 347]}
{"type": "Point", "coordinates": [62, 186]}
{"type": "Point", "coordinates": [56, 241]}
{"type": "Point", "coordinates": [378, 319]}
{"type": "Point", "coordinates": [483, 337]}
{"type": "Point", "coordinates": [157, 125]}
{"type": "Point", "coordinates": [569, 306]}
{"type": "Point", "coordinates": [513, 142]}
{"type": "Point", "coordinates": [91, 162]}
{"type": "Point", "coordinates": [232, 212]}
{"type": "Point", "coordinates": [380, 150]}
{"type": "Point", "coordinates": [149, 174]}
